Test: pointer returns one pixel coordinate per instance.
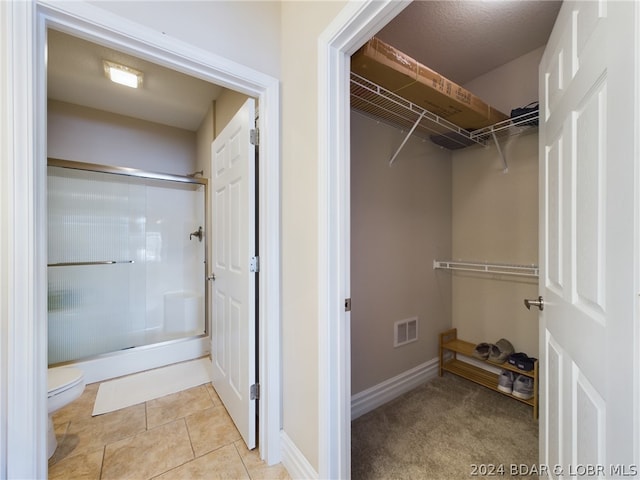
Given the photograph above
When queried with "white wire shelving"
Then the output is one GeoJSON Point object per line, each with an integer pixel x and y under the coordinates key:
{"type": "Point", "coordinates": [531, 271]}
{"type": "Point", "coordinates": [382, 104]}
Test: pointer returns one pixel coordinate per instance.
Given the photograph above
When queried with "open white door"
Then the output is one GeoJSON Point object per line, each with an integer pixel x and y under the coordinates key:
{"type": "Point", "coordinates": [233, 342]}
{"type": "Point", "coordinates": [588, 247]}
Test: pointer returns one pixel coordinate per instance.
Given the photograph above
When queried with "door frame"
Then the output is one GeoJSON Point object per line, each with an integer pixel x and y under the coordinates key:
{"type": "Point", "coordinates": [354, 25]}
{"type": "Point", "coordinates": [24, 365]}
{"type": "Point", "coordinates": [350, 29]}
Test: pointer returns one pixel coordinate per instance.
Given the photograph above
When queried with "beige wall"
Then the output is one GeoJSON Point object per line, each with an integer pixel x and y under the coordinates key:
{"type": "Point", "coordinates": [247, 32]}
{"type": "Point", "coordinates": [219, 114]}
{"type": "Point", "coordinates": [512, 85]}
{"type": "Point", "coordinates": [302, 23]}
{"type": "Point", "coordinates": [495, 219]}
{"type": "Point", "coordinates": [205, 135]}
{"type": "Point", "coordinates": [227, 105]}
{"type": "Point", "coordinates": [400, 223]}
{"type": "Point", "coordinates": [87, 135]}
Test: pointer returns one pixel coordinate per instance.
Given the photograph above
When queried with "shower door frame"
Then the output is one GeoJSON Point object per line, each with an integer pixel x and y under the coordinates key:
{"type": "Point", "coordinates": [91, 365]}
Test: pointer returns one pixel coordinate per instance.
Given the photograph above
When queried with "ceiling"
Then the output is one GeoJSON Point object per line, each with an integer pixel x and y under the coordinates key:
{"type": "Point", "coordinates": [459, 39]}
{"type": "Point", "coordinates": [75, 74]}
{"type": "Point", "coordinates": [465, 39]}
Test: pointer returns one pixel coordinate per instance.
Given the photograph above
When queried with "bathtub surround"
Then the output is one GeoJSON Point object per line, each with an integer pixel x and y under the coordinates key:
{"type": "Point", "coordinates": [141, 387]}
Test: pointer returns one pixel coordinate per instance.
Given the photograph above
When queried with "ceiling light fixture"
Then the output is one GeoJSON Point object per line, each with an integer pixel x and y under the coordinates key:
{"type": "Point", "coordinates": [123, 75]}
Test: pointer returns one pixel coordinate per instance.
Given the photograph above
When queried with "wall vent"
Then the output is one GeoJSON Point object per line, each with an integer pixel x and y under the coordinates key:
{"type": "Point", "coordinates": [405, 331]}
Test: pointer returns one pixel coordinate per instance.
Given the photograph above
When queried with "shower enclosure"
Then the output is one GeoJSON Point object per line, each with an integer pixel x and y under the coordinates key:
{"type": "Point", "coordinates": [126, 260]}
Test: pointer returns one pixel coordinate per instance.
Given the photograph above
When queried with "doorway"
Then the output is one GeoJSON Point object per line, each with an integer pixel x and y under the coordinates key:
{"type": "Point", "coordinates": [28, 365]}
{"type": "Point", "coordinates": [339, 42]}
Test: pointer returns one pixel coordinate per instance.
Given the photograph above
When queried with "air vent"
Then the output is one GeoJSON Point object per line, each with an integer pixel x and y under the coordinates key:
{"type": "Point", "coordinates": [405, 331]}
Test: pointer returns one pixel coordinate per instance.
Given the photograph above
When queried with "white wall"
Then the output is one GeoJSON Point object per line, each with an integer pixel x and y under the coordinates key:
{"type": "Point", "coordinates": [84, 134]}
{"type": "Point", "coordinates": [400, 223]}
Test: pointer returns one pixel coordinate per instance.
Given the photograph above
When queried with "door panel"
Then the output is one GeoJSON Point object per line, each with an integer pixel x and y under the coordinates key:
{"type": "Point", "coordinates": [233, 244]}
{"type": "Point", "coordinates": [587, 229]}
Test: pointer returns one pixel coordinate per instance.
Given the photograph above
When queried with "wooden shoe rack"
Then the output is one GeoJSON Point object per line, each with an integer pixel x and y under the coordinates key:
{"type": "Point", "coordinates": [451, 347]}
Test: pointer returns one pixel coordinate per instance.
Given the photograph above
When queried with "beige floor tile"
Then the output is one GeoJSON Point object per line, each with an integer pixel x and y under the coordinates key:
{"type": "Point", "coordinates": [221, 464]}
{"type": "Point", "coordinates": [80, 467]}
{"type": "Point", "coordinates": [214, 395]}
{"type": "Point", "coordinates": [257, 468]}
{"type": "Point", "coordinates": [177, 405]}
{"type": "Point", "coordinates": [79, 408]}
{"type": "Point", "coordinates": [148, 454]}
{"type": "Point", "coordinates": [211, 429]}
{"type": "Point", "coordinates": [90, 434]}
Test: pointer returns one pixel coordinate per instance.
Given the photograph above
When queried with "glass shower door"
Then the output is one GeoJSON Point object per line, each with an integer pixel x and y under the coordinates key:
{"type": "Point", "coordinates": [123, 269]}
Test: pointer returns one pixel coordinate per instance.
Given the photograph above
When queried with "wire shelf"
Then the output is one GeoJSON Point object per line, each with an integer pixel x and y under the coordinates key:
{"type": "Point", "coordinates": [382, 104]}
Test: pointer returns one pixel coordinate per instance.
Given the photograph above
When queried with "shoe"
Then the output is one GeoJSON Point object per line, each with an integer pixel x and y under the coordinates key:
{"type": "Point", "coordinates": [505, 381]}
{"type": "Point", "coordinates": [482, 351]}
{"type": "Point", "coordinates": [499, 352]}
{"type": "Point", "coordinates": [523, 387]}
{"type": "Point", "coordinates": [522, 361]}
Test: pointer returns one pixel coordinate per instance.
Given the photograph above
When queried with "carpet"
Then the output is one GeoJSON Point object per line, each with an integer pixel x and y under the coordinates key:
{"type": "Point", "coordinates": [140, 387]}
{"type": "Point", "coordinates": [447, 429]}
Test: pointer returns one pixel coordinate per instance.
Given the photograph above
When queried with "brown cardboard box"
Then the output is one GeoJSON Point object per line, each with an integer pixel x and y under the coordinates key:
{"type": "Point", "coordinates": [391, 69]}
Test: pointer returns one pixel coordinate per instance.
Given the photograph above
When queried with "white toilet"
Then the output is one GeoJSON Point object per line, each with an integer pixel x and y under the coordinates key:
{"type": "Point", "coordinates": [64, 385]}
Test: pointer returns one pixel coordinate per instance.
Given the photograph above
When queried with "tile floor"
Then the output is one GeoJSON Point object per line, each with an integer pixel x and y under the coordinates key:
{"type": "Point", "coordinates": [186, 435]}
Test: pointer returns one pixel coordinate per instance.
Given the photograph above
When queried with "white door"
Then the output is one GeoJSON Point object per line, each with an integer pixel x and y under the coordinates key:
{"type": "Point", "coordinates": [587, 244]}
{"type": "Point", "coordinates": [233, 293]}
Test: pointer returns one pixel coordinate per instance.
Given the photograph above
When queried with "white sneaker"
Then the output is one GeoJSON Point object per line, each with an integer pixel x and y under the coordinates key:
{"type": "Point", "coordinates": [505, 381]}
{"type": "Point", "coordinates": [523, 387]}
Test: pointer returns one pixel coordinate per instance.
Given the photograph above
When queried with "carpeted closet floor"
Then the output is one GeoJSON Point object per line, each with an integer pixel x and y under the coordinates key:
{"type": "Point", "coordinates": [448, 429]}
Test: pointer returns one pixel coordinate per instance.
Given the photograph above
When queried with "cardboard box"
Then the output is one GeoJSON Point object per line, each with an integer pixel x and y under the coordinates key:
{"type": "Point", "coordinates": [391, 69]}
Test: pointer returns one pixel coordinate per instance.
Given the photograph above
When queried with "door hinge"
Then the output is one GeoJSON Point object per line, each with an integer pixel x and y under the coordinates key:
{"type": "Point", "coordinates": [347, 304]}
{"type": "Point", "coordinates": [254, 264]}
{"type": "Point", "coordinates": [254, 392]}
{"type": "Point", "coordinates": [254, 136]}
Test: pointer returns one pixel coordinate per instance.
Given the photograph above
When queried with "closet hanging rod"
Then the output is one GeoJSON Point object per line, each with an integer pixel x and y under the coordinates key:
{"type": "Point", "coordinates": [487, 267]}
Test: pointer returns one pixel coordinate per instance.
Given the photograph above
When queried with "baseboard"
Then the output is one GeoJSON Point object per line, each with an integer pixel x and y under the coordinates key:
{"type": "Point", "coordinates": [386, 391]}
{"type": "Point", "coordinates": [294, 461]}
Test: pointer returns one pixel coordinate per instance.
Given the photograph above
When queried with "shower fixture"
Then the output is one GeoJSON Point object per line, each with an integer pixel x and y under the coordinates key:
{"type": "Point", "coordinates": [198, 233]}
{"type": "Point", "coordinates": [193, 175]}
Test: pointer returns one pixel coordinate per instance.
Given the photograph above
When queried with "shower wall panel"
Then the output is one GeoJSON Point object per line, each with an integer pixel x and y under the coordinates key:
{"type": "Point", "coordinates": [118, 247]}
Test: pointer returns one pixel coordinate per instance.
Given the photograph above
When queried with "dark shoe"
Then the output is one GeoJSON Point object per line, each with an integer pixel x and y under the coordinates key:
{"type": "Point", "coordinates": [482, 351]}
{"type": "Point", "coordinates": [522, 361]}
{"type": "Point", "coordinates": [499, 352]}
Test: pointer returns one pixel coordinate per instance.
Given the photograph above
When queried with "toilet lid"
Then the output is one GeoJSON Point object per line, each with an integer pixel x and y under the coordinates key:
{"type": "Point", "coordinates": [62, 378]}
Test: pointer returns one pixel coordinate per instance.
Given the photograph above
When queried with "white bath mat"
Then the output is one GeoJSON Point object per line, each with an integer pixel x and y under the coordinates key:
{"type": "Point", "coordinates": [140, 387]}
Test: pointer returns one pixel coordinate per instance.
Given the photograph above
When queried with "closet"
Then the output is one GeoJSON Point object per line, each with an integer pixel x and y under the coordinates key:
{"type": "Point", "coordinates": [445, 236]}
